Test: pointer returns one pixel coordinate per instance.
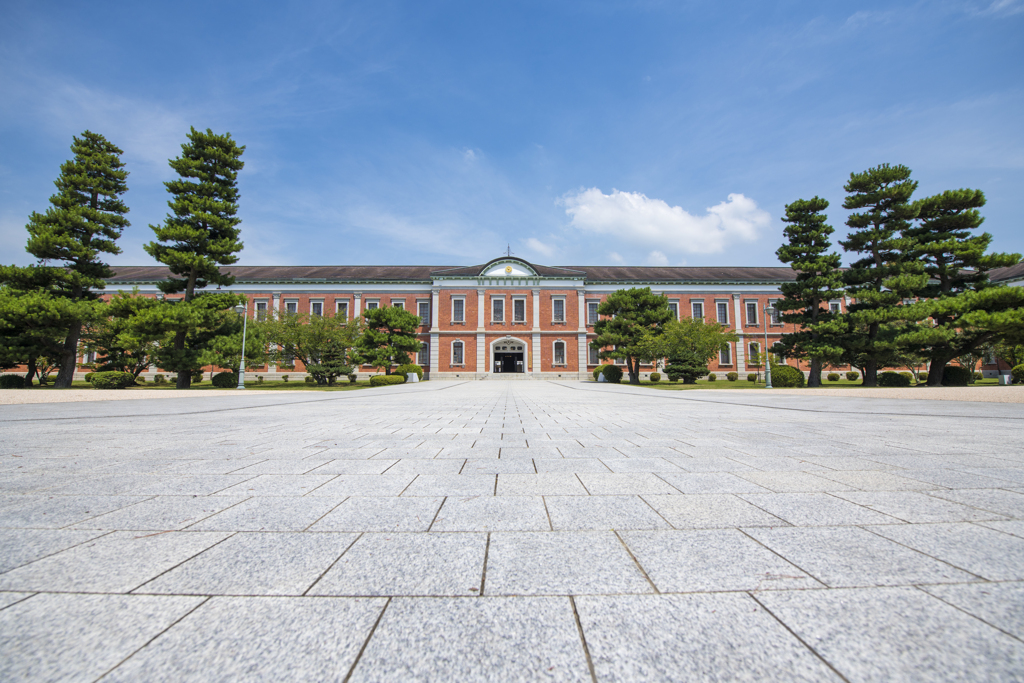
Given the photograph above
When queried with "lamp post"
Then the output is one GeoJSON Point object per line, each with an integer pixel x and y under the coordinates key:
{"type": "Point", "coordinates": [243, 310]}
{"type": "Point", "coordinates": [767, 359]}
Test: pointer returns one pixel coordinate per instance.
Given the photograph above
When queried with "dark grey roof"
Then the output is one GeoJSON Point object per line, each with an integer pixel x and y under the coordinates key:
{"type": "Point", "coordinates": [1008, 273]}
{"type": "Point", "coordinates": [473, 271]}
{"type": "Point", "coordinates": [127, 274]}
{"type": "Point", "coordinates": [686, 274]}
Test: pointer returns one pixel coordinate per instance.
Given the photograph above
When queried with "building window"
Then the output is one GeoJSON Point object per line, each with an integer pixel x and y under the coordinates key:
{"type": "Point", "coordinates": [559, 353]}
{"type": "Point", "coordinates": [316, 308]}
{"type": "Point", "coordinates": [457, 358]}
{"type": "Point", "coordinates": [697, 310]}
{"type": "Point", "coordinates": [261, 310]}
{"type": "Point", "coordinates": [291, 306]}
{"type": "Point", "coordinates": [834, 308]}
{"type": "Point", "coordinates": [752, 313]}
{"type": "Point", "coordinates": [558, 310]}
{"type": "Point", "coordinates": [754, 351]}
{"type": "Point", "coordinates": [592, 312]}
{"type": "Point", "coordinates": [725, 355]}
{"type": "Point", "coordinates": [723, 312]}
{"type": "Point", "coordinates": [592, 357]}
{"type": "Point", "coordinates": [519, 310]}
{"type": "Point", "coordinates": [497, 310]}
{"type": "Point", "coordinates": [424, 311]}
{"type": "Point", "coordinates": [774, 313]}
{"type": "Point", "coordinates": [398, 303]}
{"type": "Point", "coordinates": [619, 361]}
{"type": "Point", "coordinates": [674, 307]}
{"type": "Point", "coordinates": [342, 309]}
{"type": "Point", "coordinates": [372, 304]}
{"type": "Point", "coordinates": [458, 311]}
{"type": "Point", "coordinates": [423, 355]}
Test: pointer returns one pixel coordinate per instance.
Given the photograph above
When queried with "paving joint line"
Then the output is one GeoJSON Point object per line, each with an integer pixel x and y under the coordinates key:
{"type": "Point", "coordinates": [801, 640]}
{"type": "Point", "coordinates": [366, 642]}
{"type": "Point", "coordinates": [331, 565]}
{"type": "Point", "coordinates": [583, 639]}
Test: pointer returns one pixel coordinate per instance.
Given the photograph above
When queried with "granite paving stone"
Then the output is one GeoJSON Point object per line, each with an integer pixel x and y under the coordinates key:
{"type": "Point", "coordinates": [363, 485]}
{"type": "Point", "coordinates": [917, 508]}
{"type": "Point", "coordinates": [492, 513]}
{"type": "Point", "coordinates": [54, 512]}
{"type": "Point", "coordinates": [570, 513]}
{"type": "Point", "coordinates": [998, 604]}
{"type": "Point", "coordinates": [12, 598]}
{"type": "Point", "coordinates": [711, 482]}
{"type": "Point", "coordinates": [163, 513]}
{"type": "Point", "coordinates": [982, 551]}
{"type": "Point", "coordinates": [268, 513]}
{"type": "Point", "coordinates": [711, 511]}
{"type": "Point", "coordinates": [21, 546]}
{"type": "Point", "coordinates": [278, 485]}
{"type": "Point", "coordinates": [452, 485]}
{"type": "Point", "coordinates": [547, 484]}
{"type": "Point", "coordinates": [794, 482]}
{"type": "Point", "coordinates": [574, 465]}
{"type": "Point", "coordinates": [999, 501]}
{"type": "Point", "coordinates": [361, 513]}
{"type": "Point", "coordinates": [815, 509]}
{"type": "Point", "coordinates": [599, 484]}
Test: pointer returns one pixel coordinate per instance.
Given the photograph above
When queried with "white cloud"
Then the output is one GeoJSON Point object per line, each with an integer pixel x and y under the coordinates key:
{"type": "Point", "coordinates": [614, 256]}
{"type": "Point", "coordinates": [657, 258]}
{"type": "Point", "coordinates": [1005, 7]}
{"type": "Point", "coordinates": [645, 222]}
{"type": "Point", "coordinates": [536, 245]}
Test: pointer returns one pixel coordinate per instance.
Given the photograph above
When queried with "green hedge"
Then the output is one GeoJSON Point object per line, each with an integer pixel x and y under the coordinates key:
{"type": "Point", "coordinates": [955, 376]}
{"type": "Point", "coordinates": [1017, 374]}
{"type": "Point", "coordinates": [922, 377]}
{"type": "Point", "coordinates": [612, 373]}
{"type": "Point", "coordinates": [832, 377]}
{"type": "Point", "coordinates": [894, 379]}
{"type": "Point", "coordinates": [732, 376]}
{"type": "Point", "coordinates": [752, 377]}
{"type": "Point", "coordinates": [852, 376]}
{"type": "Point", "coordinates": [404, 370]}
{"type": "Point", "coordinates": [225, 380]}
{"type": "Point", "coordinates": [112, 380]}
{"type": "Point", "coordinates": [786, 376]}
{"type": "Point", "coordinates": [655, 376]}
{"type": "Point", "coordinates": [159, 379]}
{"type": "Point", "coordinates": [11, 381]}
{"type": "Point", "coordinates": [598, 370]}
{"type": "Point", "coordinates": [385, 380]}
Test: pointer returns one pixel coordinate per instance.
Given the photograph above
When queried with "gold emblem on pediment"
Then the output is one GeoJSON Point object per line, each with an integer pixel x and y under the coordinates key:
{"type": "Point", "coordinates": [508, 269]}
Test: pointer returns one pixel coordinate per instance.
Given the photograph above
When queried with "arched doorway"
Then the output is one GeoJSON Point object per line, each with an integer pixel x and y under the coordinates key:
{"type": "Point", "coordinates": [508, 355]}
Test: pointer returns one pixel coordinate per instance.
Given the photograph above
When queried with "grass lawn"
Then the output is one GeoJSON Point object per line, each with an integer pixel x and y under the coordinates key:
{"type": "Point", "coordinates": [744, 384]}
{"type": "Point", "coordinates": [206, 385]}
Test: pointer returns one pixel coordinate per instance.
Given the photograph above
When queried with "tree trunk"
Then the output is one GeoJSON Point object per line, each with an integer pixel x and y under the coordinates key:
{"type": "Point", "coordinates": [69, 357]}
{"type": "Point", "coordinates": [184, 380]}
{"type": "Point", "coordinates": [870, 373]}
{"type": "Point", "coordinates": [633, 366]}
{"type": "Point", "coordinates": [814, 380]}
{"type": "Point", "coordinates": [31, 372]}
{"type": "Point", "coordinates": [935, 369]}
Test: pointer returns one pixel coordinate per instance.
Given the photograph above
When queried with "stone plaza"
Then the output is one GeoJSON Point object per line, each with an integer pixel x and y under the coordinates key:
{"type": "Point", "coordinates": [471, 531]}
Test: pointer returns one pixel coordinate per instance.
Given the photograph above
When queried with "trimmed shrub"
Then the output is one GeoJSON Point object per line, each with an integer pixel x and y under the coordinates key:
{"type": "Point", "coordinates": [894, 379]}
{"type": "Point", "coordinates": [922, 377]}
{"type": "Point", "coordinates": [712, 377]}
{"type": "Point", "coordinates": [612, 373]}
{"type": "Point", "coordinates": [955, 376]}
{"type": "Point", "coordinates": [832, 377]}
{"type": "Point", "coordinates": [11, 381]}
{"type": "Point", "coordinates": [197, 376]}
{"type": "Point", "coordinates": [385, 380]}
{"type": "Point", "coordinates": [977, 376]}
{"type": "Point", "coordinates": [908, 375]}
{"type": "Point", "coordinates": [284, 378]}
{"type": "Point", "coordinates": [159, 379]}
{"type": "Point", "coordinates": [140, 380]}
{"type": "Point", "coordinates": [655, 376]}
{"type": "Point", "coordinates": [225, 380]}
{"type": "Point", "coordinates": [1017, 374]}
{"type": "Point", "coordinates": [310, 380]}
{"type": "Point", "coordinates": [787, 376]}
{"type": "Point", "coordinates": [598, 370]}
{"type": "Point", "coordinates": [88, 376]}
{"type": "Point", "coordinates": [259, 379]}
{"type": "Point", "coordinates": [112, 380]}
{"type": "Point", "coordinates": [403, 370]}
{"type": "Point", "coordinates": [732, 376]}
{"type": "Point", "coordinates": [852, 376]}
{"type": "Point", "coordinates": [752, 377]}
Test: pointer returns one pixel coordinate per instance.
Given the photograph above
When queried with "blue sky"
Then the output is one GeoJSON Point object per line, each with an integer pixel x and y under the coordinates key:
{"type": "Point", "coordinates": [582, 133]}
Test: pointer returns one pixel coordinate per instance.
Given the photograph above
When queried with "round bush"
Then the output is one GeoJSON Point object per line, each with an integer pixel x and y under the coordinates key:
{"type": "Point", "coordinates": [385, 380]}
{"type": "Point", "coordinates": [598, 370]}
{"type": "Point", "coordinates": [225, 380]}
{"type": "Point", "coordinates": [908, 375]}
{"type": "Point", "coordinates": [977, 376]}
{"type": "Point", "coordinates": [88, 376]}
{"type": "Point", "coordinates": [259, 379]}
{"type": "Point", "coordinates": [309, 379]}
{"type": "Point", "coordinates": [140, 380]}
{"type": "Point", "coordinates": [752, 377]}
{"type": "Point", "coordinates": [786, 376]}
{"type": "Point", "coordinates": [832, 377]}
{"type": "Point", "coordinates": [712, 377]}
{"type": "Point", "coordinates": [197, 376]}
{"type": "Point", "coordinates": [404, 370]}
{"type": "Point", "coordinates": [894, 379]}
{"type": "Point", "coordinates": [922, 377]}
{"type": "Point", "coordinates": [112, 380]}
{"type": "Point", "coordinates": [11, 381]}
{"type": "Point", "coordinates": [732, 376]}
{"type": "Point", "coordinates": [655, 376]}
{"type": "Point", "coordinates": [955, 376]}
{"type": "Point", "coordinates": [852, 376]}
{"type": "Point", "coordinates": [1017, 374]}
{"type": "Point", "coordinates": [612, 373]}
{"type": "Point", "coordinates": [284, 378]}
{"type": "Point", "coordinates": [159, 379]}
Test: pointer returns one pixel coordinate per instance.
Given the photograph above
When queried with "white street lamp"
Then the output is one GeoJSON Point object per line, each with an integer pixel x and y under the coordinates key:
{"type": "Point", "coordinates": [243, 310]}
{"type": "Point", "coordinates": [767, 359]}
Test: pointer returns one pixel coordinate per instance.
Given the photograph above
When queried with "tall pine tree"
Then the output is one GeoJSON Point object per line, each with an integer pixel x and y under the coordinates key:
{"type": "Point", "coordinates": [818, 280]}
{"type": "Point", "coordinates": [200, 235]}
{"type": "Point", "coordinates": [885, 274]}
{"type": "Point", "coordinates": [70, 240]}
{"type": "Point", "coordinates": [967, 311]}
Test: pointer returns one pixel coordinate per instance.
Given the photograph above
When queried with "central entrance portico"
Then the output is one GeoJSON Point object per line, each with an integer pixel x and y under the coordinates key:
{"type": "Point", "coordinates": [508, 355]}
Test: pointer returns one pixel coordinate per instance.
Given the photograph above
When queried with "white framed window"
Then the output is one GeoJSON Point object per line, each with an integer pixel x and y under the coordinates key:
{"type": "Point", "coordinates": [592, 357]}
{"type": "Point", "coordinates": [458, 357]}
{"type": "Point", "coordinates": [423, 309]}
{"type": "Point", "coordinates": [752, 313]}
{"type": "Point", "coordinates": [592, 316]}
{"type": "Point", "coordinates": [559, 353]}
{"type": "Point", "coordinates": [498, 310]}
{"type": "Point", "coordinates": [341, 309]}
{"type": "Point", "coordinates": [776, 320]}
{"type": "Point", "coordinates": [423, 355]}
{"type": "Point", "coordinates": [674, 307]}
{"type": "Point", "coordinates": [458, 309]}
{"type": "Point", "coordinates": [261, 310]}
{"type": "Point", "coordinates": [558, 310]}
{"type": "Point", "coordinates": [398, 303]}
{"type": "Point", "coordinates": [722, 308]}
{"type": "Point", "coordinates": [834, 308]}
{"type": "Point", "coordinates": [519, 310]}
{"type": "Point", "coordinates": [754, 352]}
{"type": "Point", "coordinates": [316, 308]}
{"type": "Point", "coordinates": [372, 304]}
{"type": "Point", "coordinates": [725, 355]}
{"type": "Point", "coordinates": [291, 306]}
{"type": "Point", "coordinates": [697, 310]}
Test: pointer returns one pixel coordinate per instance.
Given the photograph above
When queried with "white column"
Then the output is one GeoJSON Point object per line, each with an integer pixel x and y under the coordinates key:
{"type": "Point", "coordinates": [275, 306]}
{"type": "Point", "coordinates": [357, 304]}
{"type": "Point", "coordinates": [536, 331]}
{"type": "Point", "coordinates": [435, 338]}
{"type": "Point", "coordinates": [581, 363]}
{"type": "Point", "coordinates": [481, 360]}
{"type": "Point", "coordinates": [740, 362]}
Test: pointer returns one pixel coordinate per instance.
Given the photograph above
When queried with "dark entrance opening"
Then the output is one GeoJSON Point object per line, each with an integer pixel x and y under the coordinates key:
{"type": "Point", "coordinates": [508, 362]}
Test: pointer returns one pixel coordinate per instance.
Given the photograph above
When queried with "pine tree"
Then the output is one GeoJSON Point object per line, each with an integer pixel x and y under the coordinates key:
{"type": "Point", "coordinates": [959, 292]}
{"type": "Point", "coordinates": [84, 222]}
{"type": "Point", "coordinates": [200, 235]}
{"type": "Point", "coordinates": [886, 274]}
{"type": "Point", "coordinates": [389, 337]}
{"type": "Point", "coordinates": [628, 316]}
{"type": "Point", "coordinates": [818, 280]}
